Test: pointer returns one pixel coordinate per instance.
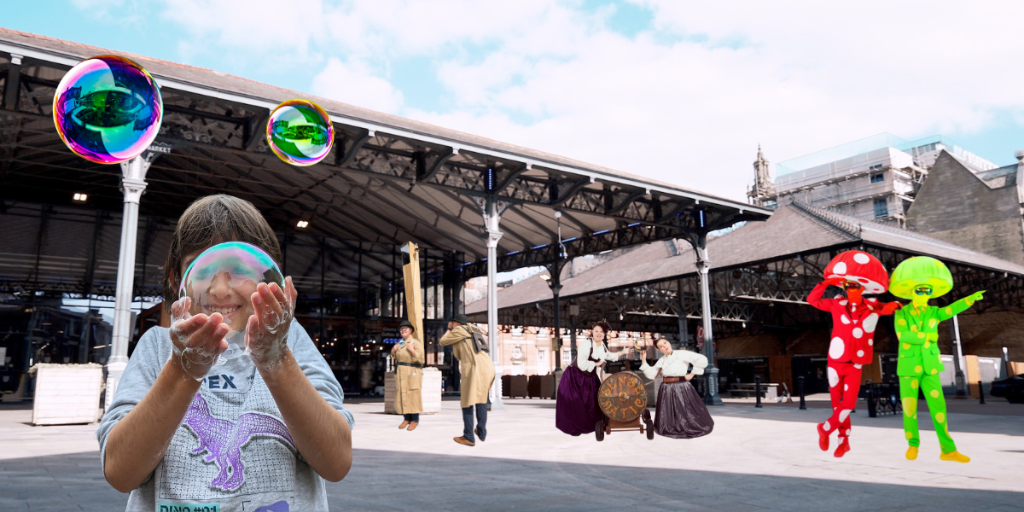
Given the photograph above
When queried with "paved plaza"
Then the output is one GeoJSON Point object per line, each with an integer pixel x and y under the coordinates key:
{"type": "Point", "coordinates": [756, 459]}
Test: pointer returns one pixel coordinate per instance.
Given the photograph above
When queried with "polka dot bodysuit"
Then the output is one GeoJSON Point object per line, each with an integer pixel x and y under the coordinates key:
{"type": "Point", "coordinates": [919, 366]}
{"type": "Point", "coordinates": [851, 347]}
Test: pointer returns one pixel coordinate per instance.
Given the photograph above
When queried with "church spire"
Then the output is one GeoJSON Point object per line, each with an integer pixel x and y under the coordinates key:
{"type": "Point", "coordinates": [763, 191]}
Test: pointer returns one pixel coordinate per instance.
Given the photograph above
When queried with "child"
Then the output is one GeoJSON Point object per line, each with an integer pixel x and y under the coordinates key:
{"type": "Point", "coordinates": [262, 430]}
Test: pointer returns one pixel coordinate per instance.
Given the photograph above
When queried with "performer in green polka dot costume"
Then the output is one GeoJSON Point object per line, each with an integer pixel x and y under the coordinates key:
{"type": "Point", "coordinates": [920, 279]}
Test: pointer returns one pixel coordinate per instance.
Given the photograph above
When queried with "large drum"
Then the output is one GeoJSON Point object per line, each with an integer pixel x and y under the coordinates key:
{"type": "Point", "coordinates": [622, 397]}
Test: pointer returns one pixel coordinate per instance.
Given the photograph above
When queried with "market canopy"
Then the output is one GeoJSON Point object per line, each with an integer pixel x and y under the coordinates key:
{"type": "Point", "coordinates": [387, 181]}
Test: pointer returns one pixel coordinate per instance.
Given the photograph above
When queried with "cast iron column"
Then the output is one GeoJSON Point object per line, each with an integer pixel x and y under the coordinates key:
{"type": "Point", "coordinates": [958, 368]}
{"type": "Point", "coordinates": [555, 283]}
{"type": "Point", "coordinates": [492, 216]}
{"type": "Point", "coordinates": [133, 184]}
{"type": "Point", "coordinates": [711, 372]}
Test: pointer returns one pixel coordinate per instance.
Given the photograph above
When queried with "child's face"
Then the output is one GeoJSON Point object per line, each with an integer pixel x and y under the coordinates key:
{"type": "Point", "coordinates": [232, 298]}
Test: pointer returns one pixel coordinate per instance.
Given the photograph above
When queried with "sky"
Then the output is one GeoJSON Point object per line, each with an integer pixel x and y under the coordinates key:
{"type": "Point", "coordinates": [676, 91]}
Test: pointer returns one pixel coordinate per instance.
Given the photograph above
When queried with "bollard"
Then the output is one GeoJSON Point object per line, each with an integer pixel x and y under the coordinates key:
{"type": "Point", "coordinates": [757, 390]}
{"type": "Point", "coordinates": [872, 403]}
{"type": "Point", "coordinates": [981, 391]}
{"type": "Point", "coordinates": [800, 385]}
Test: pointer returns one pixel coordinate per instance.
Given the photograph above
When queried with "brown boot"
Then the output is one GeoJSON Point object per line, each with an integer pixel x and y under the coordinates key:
{"type": "Point", "coordinates": [463, 440]}
{"type": "Point", "coordinates": [413, 425]}
{"type": "Point", "coordinates": [404, 424]}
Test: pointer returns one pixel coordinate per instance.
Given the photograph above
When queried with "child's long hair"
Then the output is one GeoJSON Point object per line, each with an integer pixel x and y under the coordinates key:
{"type": "Point", "coordinates": [211, 220]}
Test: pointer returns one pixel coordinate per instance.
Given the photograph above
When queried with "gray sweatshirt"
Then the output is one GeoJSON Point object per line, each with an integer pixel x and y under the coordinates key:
{"type": "Point", "coordinates": [232, 452]}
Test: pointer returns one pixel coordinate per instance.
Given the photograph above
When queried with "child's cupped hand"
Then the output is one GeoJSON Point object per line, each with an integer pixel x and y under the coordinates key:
{"type": "Point", "coordinates": [266, 334]}
{"type": "Point", "coordinates": [198, 340]}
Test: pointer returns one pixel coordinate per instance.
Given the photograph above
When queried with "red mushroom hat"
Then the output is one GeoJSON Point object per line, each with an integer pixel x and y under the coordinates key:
{"type": "Point", "coordinates": [861, 267]}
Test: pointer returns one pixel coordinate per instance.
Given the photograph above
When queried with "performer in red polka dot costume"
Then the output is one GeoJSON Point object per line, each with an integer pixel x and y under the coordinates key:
{"type": "Point", "coordinates": [854, 320]}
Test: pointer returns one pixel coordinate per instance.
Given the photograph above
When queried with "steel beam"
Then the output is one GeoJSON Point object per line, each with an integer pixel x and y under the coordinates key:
{"type": "Point", "coordinates": [12, 86]}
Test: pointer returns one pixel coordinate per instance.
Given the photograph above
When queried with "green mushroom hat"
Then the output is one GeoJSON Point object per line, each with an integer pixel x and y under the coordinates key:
{"type": "Point", "coordinates": [917, 271]}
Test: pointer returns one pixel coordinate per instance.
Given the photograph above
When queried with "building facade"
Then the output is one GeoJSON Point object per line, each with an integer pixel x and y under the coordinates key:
{"type": "Point", "coordinates": [871, 179]}
{"type": "Point", "coordinates": [983, 211]}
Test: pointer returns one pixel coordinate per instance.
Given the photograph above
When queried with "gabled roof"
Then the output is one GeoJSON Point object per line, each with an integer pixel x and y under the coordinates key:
{"type": "Point", "coordinates": [792, 230]}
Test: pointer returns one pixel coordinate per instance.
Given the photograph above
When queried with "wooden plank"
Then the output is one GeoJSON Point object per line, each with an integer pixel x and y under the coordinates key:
{"type": "Point", "coordinates": [973, 374]}
{"type": "Point", "coordinates": [413, 288]}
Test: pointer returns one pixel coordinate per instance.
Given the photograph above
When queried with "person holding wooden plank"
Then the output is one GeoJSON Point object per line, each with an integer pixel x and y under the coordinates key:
{"type": "Point", "coordinates": [470, 347]}
{"type": "Point", "coordinates": [408, 355]}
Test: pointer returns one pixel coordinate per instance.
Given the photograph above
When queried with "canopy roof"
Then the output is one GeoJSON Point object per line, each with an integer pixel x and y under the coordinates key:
{"type": "Point", "coordinates": [387, 181]}
{"type": "Point", "coordinates": [777, 261]}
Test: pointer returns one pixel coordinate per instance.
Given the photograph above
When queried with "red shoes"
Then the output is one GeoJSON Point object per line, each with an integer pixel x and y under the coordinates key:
{"type": "Point", "coordinates": [822, 438]}
{"type": "Point", "coordinates": [843, 447]}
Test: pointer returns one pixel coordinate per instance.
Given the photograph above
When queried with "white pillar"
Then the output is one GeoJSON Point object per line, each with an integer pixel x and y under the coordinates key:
{"type": "Point", "coordinates": [959, 381]}
{"type": "Point", "coordinates": [133, 185]}
{"type": "Point", "coordinates": [492, 216]}
{"type": "Point", "coordinates": [700, 246]}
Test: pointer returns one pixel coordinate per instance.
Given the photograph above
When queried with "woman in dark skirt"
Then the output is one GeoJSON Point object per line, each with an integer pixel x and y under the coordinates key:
{"type": "Point", "coordinates": [680, 412]}
{"type": "Point", "coordinates": [576, 409]}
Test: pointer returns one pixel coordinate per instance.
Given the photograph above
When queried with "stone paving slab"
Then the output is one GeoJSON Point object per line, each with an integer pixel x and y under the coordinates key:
{"type": "Point", "coordinates": [756, 459]}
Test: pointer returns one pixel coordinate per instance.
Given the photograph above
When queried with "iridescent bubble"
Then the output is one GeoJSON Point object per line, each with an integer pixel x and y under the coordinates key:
{"type": "Point", "coordinates": [222, 280]}
{"type": "Point", "coordinates": [300, 132]}
{"type": "Point", "coordinates": [107, 109]}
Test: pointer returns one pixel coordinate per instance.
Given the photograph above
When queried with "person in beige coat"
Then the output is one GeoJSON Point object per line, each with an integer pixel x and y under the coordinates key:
{"type": "Point", "coordinates": [408, 356]}
{"type": "Point", "coordinates": [477, 377]}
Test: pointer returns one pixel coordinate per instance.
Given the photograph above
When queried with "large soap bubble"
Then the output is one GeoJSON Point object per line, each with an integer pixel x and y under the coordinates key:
{"type": "Point", "coordinates": [300, 132]}
{"type": "Point", "coordinates": [107, 109]}
{"type": "Point", "coordinates": [222, 280]}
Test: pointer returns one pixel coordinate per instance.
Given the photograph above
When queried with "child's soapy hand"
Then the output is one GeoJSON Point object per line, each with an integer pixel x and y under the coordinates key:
{"type": "Point", "coordinates": [198, 340]}
{"type": "Point", "coordinates": [266, 334]}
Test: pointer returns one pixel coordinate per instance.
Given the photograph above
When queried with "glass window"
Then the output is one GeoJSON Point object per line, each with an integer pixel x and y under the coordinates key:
{"type": "Point", "coordinates": [881, 208]}
{"type": "Point", "coordinates": [878, 177]}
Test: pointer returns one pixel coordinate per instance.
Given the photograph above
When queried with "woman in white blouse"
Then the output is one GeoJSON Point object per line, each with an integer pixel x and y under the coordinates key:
{"type": "Point", "coordinates": [680, 412]}
{"type": "Point", "coordinates": [576, 409]}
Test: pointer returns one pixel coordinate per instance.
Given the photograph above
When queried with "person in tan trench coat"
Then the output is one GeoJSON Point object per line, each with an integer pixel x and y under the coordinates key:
{"type": "Point", "coordinates": [477, 377]}
{"type": "Point", "coordinates": [408, 357]}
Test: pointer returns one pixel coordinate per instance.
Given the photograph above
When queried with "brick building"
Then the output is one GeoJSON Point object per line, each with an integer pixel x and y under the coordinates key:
{"type": "Point", "coordinates": [981, 211]}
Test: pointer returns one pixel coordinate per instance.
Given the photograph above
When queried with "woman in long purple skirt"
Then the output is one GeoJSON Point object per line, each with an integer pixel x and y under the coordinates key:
{"type": "Point", "coordinates": [576, 409]}
{"type": "Point", "coordinates": [680, 413]}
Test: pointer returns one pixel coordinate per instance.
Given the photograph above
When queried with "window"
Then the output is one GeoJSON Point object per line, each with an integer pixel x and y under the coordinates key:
{"type": "Point", "coordinates": [881, 208]}
{"type": "Point", "coordinates": [878, 177]}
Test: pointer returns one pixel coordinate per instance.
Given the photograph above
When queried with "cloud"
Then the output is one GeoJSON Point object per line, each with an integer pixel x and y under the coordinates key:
{"type": "Point", "coordinates": [355, 84]}
{"type": "Point", "coordinates": [281, 31]}
{"type": "Point", "coordinates": [685, 100]}
{"type": "Point", "coordinates": [688, 100]}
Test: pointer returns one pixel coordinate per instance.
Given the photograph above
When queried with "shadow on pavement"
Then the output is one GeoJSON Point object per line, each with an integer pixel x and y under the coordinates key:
{"type": "Point", "coordinates": [963, 417]}
{"type": "Point", "coordinates": [385, 480]}
{"type": "Point", "coordinates": [382, 480]}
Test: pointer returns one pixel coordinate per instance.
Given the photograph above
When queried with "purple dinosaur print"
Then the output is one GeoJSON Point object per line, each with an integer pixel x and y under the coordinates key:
{"type": "Point", "coordinates": [224, 440]}
{"type": "Point", "coordinates": [281, 506]}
